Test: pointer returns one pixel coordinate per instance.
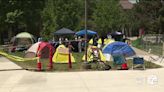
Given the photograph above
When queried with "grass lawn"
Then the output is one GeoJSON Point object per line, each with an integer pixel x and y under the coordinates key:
{"type": "Point", "coordinates": [155, 48]}
{"type": "Point", "coordinates": [32, 65]}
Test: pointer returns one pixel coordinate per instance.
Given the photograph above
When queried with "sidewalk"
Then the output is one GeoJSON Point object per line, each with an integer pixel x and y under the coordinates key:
{"type": "Point", "coordinates": [6, 64]}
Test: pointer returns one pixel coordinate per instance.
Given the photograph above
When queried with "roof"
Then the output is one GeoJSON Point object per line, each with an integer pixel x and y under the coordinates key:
{"type": "Point", "coordinates": [126, 4]}
{"type": "Point", "coordinates": [64, 31]}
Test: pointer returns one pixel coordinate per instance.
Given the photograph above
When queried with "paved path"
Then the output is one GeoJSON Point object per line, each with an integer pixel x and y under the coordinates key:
{"type": "Point", "coordinates": [150, 57]}
{"type": "Point", "coordinates": [6, 65]}
{"type": "Point", "coordinates": [151, 80]}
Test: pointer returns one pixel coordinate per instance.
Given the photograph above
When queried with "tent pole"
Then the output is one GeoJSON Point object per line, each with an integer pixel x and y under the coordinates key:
{"type": "Point", "coordinates": [85, 30]}
{"type": "Point", "coordinates": [162, 51]}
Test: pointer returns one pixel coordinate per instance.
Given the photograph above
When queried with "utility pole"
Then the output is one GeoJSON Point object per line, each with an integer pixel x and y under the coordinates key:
{"type": "Point", "coordinates": [163, 49]}
{"type": "Point", "coordinates": [85, 30]}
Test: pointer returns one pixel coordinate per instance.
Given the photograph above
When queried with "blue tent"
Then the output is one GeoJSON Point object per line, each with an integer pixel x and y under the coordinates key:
{"type": "Point", "coordinates": [118, 48]}
{"type": "Point", "coordinates": [82, 32]}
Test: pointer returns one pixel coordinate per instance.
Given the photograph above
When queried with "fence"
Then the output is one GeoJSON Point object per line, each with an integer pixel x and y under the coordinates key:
{"type": "Point", "coordinates": [153, 42]}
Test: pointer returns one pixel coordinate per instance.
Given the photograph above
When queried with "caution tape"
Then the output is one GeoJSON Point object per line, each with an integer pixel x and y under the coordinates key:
{"type": "Point", "coordinates": [16, 58]}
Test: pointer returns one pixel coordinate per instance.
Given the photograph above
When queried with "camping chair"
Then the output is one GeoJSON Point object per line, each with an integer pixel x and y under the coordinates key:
{"type": "Point", "coordinates": [138, 61]}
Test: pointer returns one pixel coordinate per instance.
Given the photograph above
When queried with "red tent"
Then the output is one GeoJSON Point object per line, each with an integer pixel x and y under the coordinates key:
{"type": "Point", "coordinates": [44, 48]}
{"type": "Point", "coordinates": [41, 50]}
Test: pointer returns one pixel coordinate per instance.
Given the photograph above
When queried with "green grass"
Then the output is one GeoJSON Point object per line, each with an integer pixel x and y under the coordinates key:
{"type": "Point", "coordinates": [155, 48]}
{"type": "Point", "coordinates": [32, 65]}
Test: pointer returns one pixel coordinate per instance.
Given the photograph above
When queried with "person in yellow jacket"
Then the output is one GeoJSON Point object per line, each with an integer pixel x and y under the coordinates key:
{"type": "Point", "coordinates": [99, 43]}
{"type": "Point", "coordinates": [91, 41]}
{"type": "Point", "coordinates": [96, 41]}
{"type": "Point", "coordinates": [108, 41]}
{"type": "Point", "coordinates": [90, 54]}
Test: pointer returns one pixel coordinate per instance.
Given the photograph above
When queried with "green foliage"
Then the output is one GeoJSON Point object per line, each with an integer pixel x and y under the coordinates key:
{"type": "Point", "coordinates": [137, 42]}
{"type": "Point", "coordinates": [49, 20]}
{"type": "Point", "coordinates": [61, 13]}
{"type": "Point", "coordinates": [69, 13]}
{"type": "Point", "coordinates": [107, 16]}
{"type": "Point", "coordinates": [43, 17]}
{"type": "Point", "coordinates": [12, 16]}
{"type": "Point", "coordinates": [21, 15]}
{"type": "Point", "coordinates": [147, 13]}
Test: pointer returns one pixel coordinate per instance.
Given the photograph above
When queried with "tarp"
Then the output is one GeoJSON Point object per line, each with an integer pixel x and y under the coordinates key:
{"type": "Point", "coordinates": [118, 48]}
{"type": "Point", "coordinates": [89, 32]}
{"type": "Point", "coordinates": [43, 47]}
{"type": "Point", "coordinates": [62, 56]}
{"type": "Point", "coordinates": [16, 58]}
{"type": "Point", "coordinates": [64, 31]}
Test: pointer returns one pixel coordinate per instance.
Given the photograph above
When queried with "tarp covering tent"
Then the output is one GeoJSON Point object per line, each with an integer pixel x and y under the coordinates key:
{"type": "Point", "coordinates": [89, 32]}
{"type": "Point", "coordinates": [23, 38]}
{"type": "Point", "coordinates": [117, 48]}
{"type": "Point", "coordinates": [61, 55]}
{"type": "Point", "coordinates": [64, 31]}
{"type": "Point", "coordinates": [43, 47]}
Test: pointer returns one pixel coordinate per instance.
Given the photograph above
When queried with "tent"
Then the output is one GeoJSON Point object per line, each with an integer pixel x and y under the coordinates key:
{"type": "Point", "coordinates": [61, 55]}
{"type": "Point", "coordinates": [43, 47]}
{"type": "Point", "coordinates": [89, 32]}
{"type": "Point", "coordinates": [64, 31]}
{"type": "Point", "coordinates": [117, 48]}
{"type": "Point", "coordinates": [23, 38]}
{"type": "Point", "coordinates": [22, 41]}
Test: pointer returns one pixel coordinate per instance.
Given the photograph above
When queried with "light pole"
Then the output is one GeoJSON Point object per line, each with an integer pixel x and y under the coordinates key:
{"type": "Point", "coordinates": [85, 30]}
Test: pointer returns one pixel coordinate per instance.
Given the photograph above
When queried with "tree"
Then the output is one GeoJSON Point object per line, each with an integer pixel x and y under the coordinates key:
{"type": "Point", "coordinates": [161, 18]}
{"type": "Point", "coordinates": [61, 13]}
{"type": "Point", "coordinates": [20, 15]}
{"type": "Point", "coordinates": [147, 13]}
{"type": "Point", "coordinates": [49, 16]}
{"type": "Point", "coordinates": [107, 16]}
{"type": "Point", "coordinates": [69, 13]}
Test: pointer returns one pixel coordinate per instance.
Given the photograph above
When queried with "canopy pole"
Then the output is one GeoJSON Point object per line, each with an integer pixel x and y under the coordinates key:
{"type": "Point", "coordinates": [85, 30]}
{"type": "Point", "coordinates": [162, 51]}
